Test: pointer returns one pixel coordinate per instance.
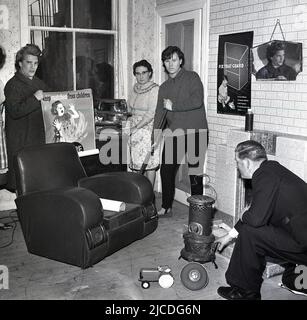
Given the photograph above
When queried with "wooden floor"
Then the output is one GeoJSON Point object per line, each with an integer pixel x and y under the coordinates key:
{"type": "Point", "coordinates": [116, 277]}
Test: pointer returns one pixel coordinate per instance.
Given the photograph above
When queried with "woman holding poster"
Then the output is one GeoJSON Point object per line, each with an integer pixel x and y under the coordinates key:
{"type": "Point", "coordinates": [23, 113]}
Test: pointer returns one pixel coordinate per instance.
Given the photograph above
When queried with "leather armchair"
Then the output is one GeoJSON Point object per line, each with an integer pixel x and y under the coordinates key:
{"type": "Point", "coordinates": [60, 212]}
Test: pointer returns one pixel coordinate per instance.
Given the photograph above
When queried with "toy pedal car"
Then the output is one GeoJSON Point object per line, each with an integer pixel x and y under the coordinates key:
{"type": "Point", "coordinates": [161, 274]}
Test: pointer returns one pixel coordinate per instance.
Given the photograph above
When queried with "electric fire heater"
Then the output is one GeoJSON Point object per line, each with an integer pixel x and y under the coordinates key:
{"type": "Point", "coordinates": [199, 243]}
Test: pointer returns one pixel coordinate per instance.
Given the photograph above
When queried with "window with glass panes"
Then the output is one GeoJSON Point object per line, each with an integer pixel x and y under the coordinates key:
{"type": "Point", "coordinates": [77, 38]}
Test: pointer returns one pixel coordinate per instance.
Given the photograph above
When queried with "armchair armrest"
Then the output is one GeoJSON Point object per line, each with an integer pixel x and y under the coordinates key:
{"type": "Point", "coordinates": [129, 187]}
{"type": "Point", "coordinates": [65, 224]}
{"type": "Point", "coordinates": [62, 207]}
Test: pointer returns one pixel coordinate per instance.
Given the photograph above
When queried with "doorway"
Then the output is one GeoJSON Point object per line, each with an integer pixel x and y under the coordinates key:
{"type": "Point", "coordinates": [184, 24]}
{"type": "Point", "coordinates": [184, 31]}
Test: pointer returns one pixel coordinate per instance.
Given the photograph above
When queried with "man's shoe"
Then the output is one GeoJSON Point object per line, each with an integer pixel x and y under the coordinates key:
{"type": "Point", "coordinates": [301, 292]}
{"type": "Point", "coordinates": [288, 280]}
{"type": "Point", "coordinates": [165, 213]}
{"type": "Point", "coordinates": [235, 293]}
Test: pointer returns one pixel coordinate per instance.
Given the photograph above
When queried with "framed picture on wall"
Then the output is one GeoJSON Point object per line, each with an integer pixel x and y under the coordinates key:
{"type": "Point", "coordinates": [277, 60]}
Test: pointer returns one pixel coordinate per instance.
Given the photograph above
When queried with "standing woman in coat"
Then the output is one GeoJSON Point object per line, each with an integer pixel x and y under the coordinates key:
{"type": "Point", "coordinates": [142, 103]}
{"type": "Point", "coordinates": [24, 119]}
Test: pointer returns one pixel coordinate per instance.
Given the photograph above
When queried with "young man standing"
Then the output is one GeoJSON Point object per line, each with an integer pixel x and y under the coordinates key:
{"type": "Point", "coordinates": [182, 97]}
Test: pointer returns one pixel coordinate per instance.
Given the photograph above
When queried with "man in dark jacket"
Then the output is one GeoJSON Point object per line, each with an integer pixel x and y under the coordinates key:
{"type": "Point", "coordinates": [181, 97]}
{"type": "Point", "coordinates": [24, 124]}
{"type": "Point", "coordinates": [275, 225]}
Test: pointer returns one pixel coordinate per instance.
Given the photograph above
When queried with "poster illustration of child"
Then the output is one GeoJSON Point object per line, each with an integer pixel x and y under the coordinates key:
{"type": "Point", "coordinates": [63, 119]}
{"type": "Point", "coordinates": [223, 96]}
{"type": "Point", "coordinates": [69, 117]}
{"type": "Point", "coordinates": [66, 127]}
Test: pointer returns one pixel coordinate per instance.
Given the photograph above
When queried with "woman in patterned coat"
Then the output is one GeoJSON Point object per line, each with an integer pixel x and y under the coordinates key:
{"type": "Point", "coordinates": [142, 104]}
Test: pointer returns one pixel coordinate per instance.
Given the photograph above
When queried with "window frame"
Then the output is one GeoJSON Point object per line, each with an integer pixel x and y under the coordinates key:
{"type": "Point", "coordinates": [119, 23]}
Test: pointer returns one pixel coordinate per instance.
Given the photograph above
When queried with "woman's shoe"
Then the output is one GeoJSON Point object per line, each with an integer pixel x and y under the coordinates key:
{"type": "Point", "coordinates": [165, 213]}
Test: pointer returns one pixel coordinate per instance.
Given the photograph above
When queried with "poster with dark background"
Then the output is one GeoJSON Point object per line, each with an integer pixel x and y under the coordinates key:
{"type": "Point", "coordinates": [233, 73]}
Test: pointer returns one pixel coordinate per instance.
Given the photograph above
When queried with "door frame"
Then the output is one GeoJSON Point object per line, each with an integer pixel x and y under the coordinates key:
{"type": "Point", "coordinates": [177, 8]}
{"type": "Point", "coordinates": [195, 15]}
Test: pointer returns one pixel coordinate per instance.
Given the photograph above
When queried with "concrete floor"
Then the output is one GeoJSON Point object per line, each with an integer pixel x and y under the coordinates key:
{"type": "Point", "coordinates": [116, 277]}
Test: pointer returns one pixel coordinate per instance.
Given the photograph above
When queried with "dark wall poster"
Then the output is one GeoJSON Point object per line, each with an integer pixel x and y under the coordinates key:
{"type": "Point", "coordinates": [234, 73]}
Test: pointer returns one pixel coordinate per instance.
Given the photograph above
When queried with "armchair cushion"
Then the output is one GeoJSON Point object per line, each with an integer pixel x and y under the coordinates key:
{"type": "Point", "coordinates": [113, 220]}
{"type": "Point", "coordinates": [129, 187]}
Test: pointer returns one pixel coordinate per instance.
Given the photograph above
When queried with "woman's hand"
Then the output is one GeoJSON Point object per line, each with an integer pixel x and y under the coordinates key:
{"type": "Point", "coordinates": [133, 130]}
{"type": "Point", "coordinates": [39, 95]}
{"type": "Point", "coordinates": [129, 130]}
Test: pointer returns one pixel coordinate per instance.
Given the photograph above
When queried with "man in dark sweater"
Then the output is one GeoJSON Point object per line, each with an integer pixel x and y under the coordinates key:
{"type": "Point", "coordinates": [273, 226]}
{"type": "Point", "coordinates": [181, 97]}
{"type": "Point", "coordinates": [24, 124]}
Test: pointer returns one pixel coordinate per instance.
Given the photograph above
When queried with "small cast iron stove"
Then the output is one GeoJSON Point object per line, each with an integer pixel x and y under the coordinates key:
{"type": "Point", "coordinates": [199, 243]}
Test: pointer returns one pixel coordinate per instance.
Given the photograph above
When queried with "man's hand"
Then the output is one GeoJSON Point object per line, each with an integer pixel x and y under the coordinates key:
{"type": "Point", "coordinates": [223, 242]}
{"type": "Point", "coordinates": [243, 211]}
{"type": "Point", "coordinates": [168, 104]}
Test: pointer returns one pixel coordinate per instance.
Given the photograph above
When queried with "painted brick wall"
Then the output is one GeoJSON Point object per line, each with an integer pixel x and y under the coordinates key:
{"type": "Point", "coordinates": [278, 106]}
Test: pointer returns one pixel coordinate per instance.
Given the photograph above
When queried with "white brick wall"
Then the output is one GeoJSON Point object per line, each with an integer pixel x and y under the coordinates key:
{"type": "Point", "coordinates": [281, 106]}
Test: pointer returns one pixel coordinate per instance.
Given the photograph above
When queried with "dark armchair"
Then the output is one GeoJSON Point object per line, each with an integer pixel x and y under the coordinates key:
{"type": "Point", "coordinates": [60, 212]}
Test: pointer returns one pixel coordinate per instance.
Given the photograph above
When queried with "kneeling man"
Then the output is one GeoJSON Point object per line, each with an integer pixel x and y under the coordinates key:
{"type": "Point", "coordinates": [275, 225]}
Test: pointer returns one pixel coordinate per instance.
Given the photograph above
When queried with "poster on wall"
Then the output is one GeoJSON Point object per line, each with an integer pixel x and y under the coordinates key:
{"type": "Point", "coordinates": [277, 60]}
{"type": "Point", "coordinates": [69, 117]}
{"type": "Point", "coordinates": [234, 73]}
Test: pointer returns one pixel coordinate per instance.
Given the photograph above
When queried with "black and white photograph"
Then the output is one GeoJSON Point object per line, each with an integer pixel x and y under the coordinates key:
{"type": "Point", "coordinates": [277, 60]}
{"type": "Point", "coordinates": [153, 156]}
